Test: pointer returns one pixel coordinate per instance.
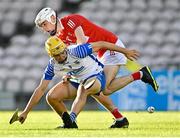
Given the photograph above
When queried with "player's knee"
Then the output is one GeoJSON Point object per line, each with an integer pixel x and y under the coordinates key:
{"type": "Point", "coordinates": [51, 97]}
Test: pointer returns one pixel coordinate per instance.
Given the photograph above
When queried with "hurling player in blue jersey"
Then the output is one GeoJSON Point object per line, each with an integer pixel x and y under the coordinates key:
{"type": "Point", "coordinates": [85, 74]}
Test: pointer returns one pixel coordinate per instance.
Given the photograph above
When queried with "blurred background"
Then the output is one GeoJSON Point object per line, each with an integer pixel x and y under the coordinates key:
{"type": "Point", "coordinates": [150, 26]}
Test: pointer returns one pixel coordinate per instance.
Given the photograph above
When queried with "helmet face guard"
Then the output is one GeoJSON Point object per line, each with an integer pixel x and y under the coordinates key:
{"type": "Point", "coordinates": [52, 33]}
{"type": "Point", "coordinates": [54, 46]}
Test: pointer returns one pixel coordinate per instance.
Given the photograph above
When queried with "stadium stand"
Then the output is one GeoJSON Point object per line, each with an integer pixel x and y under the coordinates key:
{"type": "Point", "coordinates": [150, 26]}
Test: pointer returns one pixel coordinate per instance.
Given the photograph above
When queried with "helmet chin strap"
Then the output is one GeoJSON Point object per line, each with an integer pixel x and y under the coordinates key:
{"type": "Point", "coordinates": [52, 33]}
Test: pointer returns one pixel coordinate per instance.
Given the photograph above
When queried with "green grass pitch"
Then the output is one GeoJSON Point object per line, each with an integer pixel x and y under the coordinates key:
{"type": "Point", "coordinates": [93, 124]}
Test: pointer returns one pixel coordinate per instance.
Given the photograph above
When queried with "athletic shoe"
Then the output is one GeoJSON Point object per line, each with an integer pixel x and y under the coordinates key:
{"type": "Point", "coordinates": [148, 78]}
{"type": "Point", "coordinates": [120, 123]}
{"type": "Point", "coordinates": [67, 122]}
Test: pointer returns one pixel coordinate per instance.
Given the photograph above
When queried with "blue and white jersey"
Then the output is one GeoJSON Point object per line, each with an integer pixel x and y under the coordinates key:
{"type": "Point", "coordinates": [80, 63]}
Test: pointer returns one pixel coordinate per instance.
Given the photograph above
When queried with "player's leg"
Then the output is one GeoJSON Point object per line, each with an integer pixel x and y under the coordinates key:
{"type": "Point", "coordinates": [120, 120]}
{"type": "Point", "coordinates": [57, 94]}
{"type": "Point", "coordinates": [111, 72]}
{"type": "Point", "coordinates": [105, 101]}
{"type": "Point", "coordinates": [143, 74]}
{"type": "Point", "coordinates": [55, 98]}
{"type": "Point", "coordinates": [114, 84]}
{"type": "Point", "coordinates": [112, 61]}
{"type": "Point", "coordinates": [82, 94]}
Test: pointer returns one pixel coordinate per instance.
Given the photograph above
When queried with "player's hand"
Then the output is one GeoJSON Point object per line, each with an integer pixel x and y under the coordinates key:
{"type": "Point", "coordinates": [66, 78]}
{"type": "Point", "coordinates": [132, 54]}
{"type": "Point", "coordinates": [22, 117]}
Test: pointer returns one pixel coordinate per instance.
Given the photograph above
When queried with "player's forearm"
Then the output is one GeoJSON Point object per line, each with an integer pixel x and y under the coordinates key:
{"type": "Point", "coordinates": [113, 47]}
{"type": "Point", "coordinates": [109, 46]}
{"type": "Point", "coordinates": [36, 96]}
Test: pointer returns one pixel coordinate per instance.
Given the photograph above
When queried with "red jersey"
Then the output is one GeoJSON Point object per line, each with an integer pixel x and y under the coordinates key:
{"type": "Point", "coordinates": [91, 30]}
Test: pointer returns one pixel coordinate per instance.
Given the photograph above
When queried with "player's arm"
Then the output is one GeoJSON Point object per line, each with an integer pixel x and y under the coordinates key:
{"type": "Point", "coordinates": [38, 92]}
{"type": "Point", "coordinates": [130, 54]}
{"type": "Point", "coordinates": [36, 96]}
{"type": "Point", "coordinates": [84, 50]}
{"type": "Point", "coordinates": [80, 36]}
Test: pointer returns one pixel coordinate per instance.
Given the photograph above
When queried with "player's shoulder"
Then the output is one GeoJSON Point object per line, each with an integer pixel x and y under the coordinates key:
{"type": "Point", "coordinates": [71, 16]}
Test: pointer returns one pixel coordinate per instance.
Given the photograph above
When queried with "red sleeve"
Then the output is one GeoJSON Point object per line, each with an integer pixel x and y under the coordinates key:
{"type": "Point", "coordinates": [73, 22]}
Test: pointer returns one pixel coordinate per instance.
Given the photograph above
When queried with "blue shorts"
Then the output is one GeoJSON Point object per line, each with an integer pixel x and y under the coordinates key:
{"type": "Point", "coordinates": [100, 76]}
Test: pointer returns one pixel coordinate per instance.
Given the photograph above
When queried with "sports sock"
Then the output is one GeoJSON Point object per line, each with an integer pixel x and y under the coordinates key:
{"type": "Point", "coordinates": [116, 114]}
{"type": "Point", "coordinates": [137, 75]}
{"type": "Point", "coordinates": [73, 116]}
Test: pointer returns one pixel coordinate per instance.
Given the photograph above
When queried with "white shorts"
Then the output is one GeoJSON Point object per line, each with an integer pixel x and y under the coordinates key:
{"type": "Point", "coordinates": [112, 57]}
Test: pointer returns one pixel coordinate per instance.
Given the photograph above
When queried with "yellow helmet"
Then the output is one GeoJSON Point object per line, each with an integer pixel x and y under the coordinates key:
{"type": "Point", "coordinates": [54, 46]}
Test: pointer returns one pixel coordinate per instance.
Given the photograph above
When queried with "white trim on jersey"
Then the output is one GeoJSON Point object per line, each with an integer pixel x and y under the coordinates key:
{"type": "Point", "coordinates": [71, 23]}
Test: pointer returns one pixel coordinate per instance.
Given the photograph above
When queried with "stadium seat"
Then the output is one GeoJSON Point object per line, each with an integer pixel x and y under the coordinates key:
{"type": "Point", "coordinates": [163, 61]}
{"type": "Point", "coordinates": [128, 27]}
{"type": "Point", "coordinates": [1, 16]}
{"type": "Point", "coordinates": [176, 60]}
{"type": "Point", "coordinates": [25, 62]}
{"type": "Point", "coordinates": [150, 50]}
{"type": "Point", "coordinates": [125, 37]}
{"type": "Point", "coordinates": [34, 51]}
{"type": "Point", "coordinates": [12, 16]}
{"type": "Point", "coordinates": [90, 6]}
{"type": "Point", "coordinates": [138, 4]}
{"type": "Point", "coordinates": [117, 16]}
{"type": "Point", "coordinates": [172, 4]}
{"type": "Point", "coordinates": [149, 16]}
{"type": "Point", "coordinates": [131, 16]}
{"type": "Point", "coordinates": [175, 25]}
{"type": "Point", "coordinates": [1, 52]}
{"type": "Point", "coordinates": [19, 40]}
{"type": "Point", "coordinates": [28, 17]}
{"type": "Point", "coordinates": [167, 50]}
{"type": "Point", "coordinates": [11, 28]}
{"type": "Point", "coordinates": [121, 4]}
{"type": "Point", "coordinates": [5, 5]}
{"type": "Point", "coordinates": [144, 27]}
{"type": "Point", "coordinates": [139, 38]}
{"type": "Point", "coordinates": [56, 4]}
{"type": "Point", "coordinates": [29, 85]}
{"type": "Point", "coordinates": [172, 38]}
{"type": "Point", "coordinates": [107, 5]}
{"type": "Point", "coordinates": [38, 39]}
{"type": "Point", "coordinates": [2, 85]}
{"type": "Point", "coordinates": [155, 4]}
{"type": "Point", "coordinates": [145, 60]}
{"type": "Point", "coordinates": [167, 15]}
{"type": "Point", "coordinates": [13, 84]}
{"type": "Point", "coordinates": [15, 50]}
{"type": "Point", "coordinates": [156, 38]}
{"type": "Point", "coordinates": [111, 26]}
{"type": "Point", "coordinates": [31, 79]}
{"type": "Point", "coordinates": [8, 62]}
{"type": "Point", "coordinates": [161, 26]}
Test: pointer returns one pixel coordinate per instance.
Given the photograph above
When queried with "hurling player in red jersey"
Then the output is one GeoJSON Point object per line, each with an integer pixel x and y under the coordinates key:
{"type": "Point", "coordinates": [76, 29]}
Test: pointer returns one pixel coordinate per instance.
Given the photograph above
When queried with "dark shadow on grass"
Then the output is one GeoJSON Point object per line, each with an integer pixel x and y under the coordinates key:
{"type": "Point", "coordinates": [90, 129]}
